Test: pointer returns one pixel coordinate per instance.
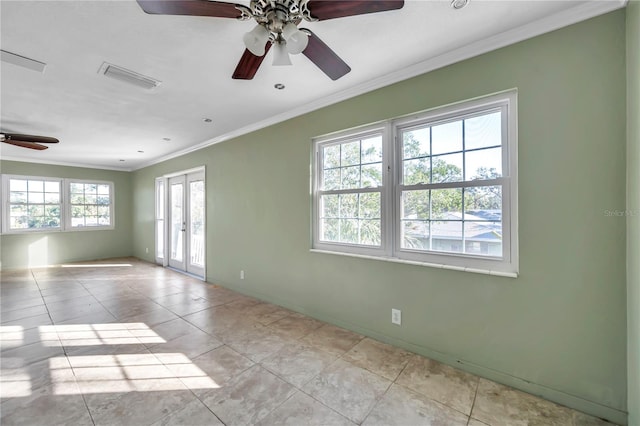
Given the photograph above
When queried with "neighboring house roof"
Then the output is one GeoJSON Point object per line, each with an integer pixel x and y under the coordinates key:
{"type": "Point", "coordinates": [480, 225]}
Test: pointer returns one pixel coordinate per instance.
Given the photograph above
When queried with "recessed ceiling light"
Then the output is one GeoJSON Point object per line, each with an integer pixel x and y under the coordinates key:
{"type": "Point", "coordinates": [207, 120]}
{"type": "Point", "coordinates": [459, 4]}
{"type": "Point", "coordinates": [279, 86]}
{"type": "Point", "coordinates": [122, 161]}
{"type": "Point", "coordinates": [141, 152]}
{"type": "Point", "coordinates": [166, 139]}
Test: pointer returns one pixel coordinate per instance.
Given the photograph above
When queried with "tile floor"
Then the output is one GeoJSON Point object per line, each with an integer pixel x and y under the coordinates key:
{"type": "Point", "coordinates": [124, 342]}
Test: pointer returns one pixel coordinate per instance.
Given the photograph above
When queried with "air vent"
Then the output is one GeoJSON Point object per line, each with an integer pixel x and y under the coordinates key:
{"type": "Point", "coordinates": [21, 61]}
{"type": "Point", "coordinates": [126, 76]}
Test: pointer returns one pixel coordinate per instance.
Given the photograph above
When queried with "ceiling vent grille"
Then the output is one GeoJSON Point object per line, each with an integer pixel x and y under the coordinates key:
{"type": "Point", "coordinates": [127, 76]}
{"type": "Point", "coordinates": [22, 61]}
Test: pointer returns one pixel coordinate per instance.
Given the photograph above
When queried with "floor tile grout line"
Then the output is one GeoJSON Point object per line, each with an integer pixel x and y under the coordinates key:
{"type": "Point", "coordinates": [475, 395]}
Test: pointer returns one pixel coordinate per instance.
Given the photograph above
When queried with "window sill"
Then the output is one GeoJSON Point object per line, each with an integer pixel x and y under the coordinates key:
{"type": "Point", "coordinates": [412, 262]}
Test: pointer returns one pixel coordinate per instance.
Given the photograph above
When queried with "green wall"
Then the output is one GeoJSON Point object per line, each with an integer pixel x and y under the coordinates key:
{"type": "Point", "coordinates": [23, 250]}
{"type": "Point", "coordinates": [559, 330]}
{"type": "Point", "coordinates": [633, 207]}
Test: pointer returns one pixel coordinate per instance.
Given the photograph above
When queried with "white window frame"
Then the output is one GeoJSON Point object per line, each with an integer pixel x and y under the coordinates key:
{"type": "Point", "coordinates": [391, 250]}
{"type": "Point", "coordinates": [382, 129]}
{"type": "Point", "coordinates": [6, 204]}
{"type": "Point", "coordinates": [65, 205]}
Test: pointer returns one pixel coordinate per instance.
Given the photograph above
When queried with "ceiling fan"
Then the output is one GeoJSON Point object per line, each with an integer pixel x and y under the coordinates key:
{"type": "Point", "coordinates": [277, 26]}
{"type": "Point", "coordinates": [27, 141]}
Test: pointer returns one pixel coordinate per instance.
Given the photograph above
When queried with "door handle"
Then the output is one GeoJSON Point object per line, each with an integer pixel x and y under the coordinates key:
{"type": "Point", "coordinates": [184, 226]}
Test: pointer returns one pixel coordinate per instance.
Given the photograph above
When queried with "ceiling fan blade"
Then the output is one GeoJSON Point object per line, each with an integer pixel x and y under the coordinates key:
{"type": "Point", "coordinates": [249, 64]}
{"type": "Point", "coordinates": [216, 9]}
{"type": "Point", "coordinates": [14, 137]}
{"type": "Point", "coordinates": [330, 9]}
{"type": "Point", "coordinates": [24, 144]}
{"type": "Point", "coordinates": [325, 58]}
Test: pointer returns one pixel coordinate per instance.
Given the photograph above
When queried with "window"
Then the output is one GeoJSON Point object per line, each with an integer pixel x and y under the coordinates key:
{"type": "Point", "coordinates": [437, 188]}
{"type": "Point", "coordinates": [32, 203]}
{"type": "Point", "coordinates": [90, 204]}
{"type": "Point", "coordinates": [160, 210]}
{"type": "Point", "coordinates": [350, 190]}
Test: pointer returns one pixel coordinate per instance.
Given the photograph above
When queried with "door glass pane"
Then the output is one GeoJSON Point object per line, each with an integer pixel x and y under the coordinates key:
{"type": "Point", "coordinates": [196, 218]}
{"type": "Point", "coordinates": [176, 222]}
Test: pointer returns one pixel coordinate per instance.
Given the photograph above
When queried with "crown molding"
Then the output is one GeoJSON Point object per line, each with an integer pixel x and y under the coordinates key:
{"type": "Point", "coordinates": [64, 163]}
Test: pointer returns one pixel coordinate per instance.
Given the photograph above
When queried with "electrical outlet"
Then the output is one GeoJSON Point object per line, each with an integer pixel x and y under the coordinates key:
{"type": "Point", "coordinates": [146, 250]}
{"type": "Point", "coordinates": [396, 316]}
{"type": "Point", "coordinates": [242, 275]}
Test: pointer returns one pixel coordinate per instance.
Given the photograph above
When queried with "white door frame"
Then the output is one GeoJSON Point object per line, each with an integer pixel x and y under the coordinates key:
{"type": "Point", "coordinates": [186, 266]}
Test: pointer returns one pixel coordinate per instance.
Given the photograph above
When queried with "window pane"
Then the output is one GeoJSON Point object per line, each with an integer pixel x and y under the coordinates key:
{"type": "Point", "coordinates": [350, 154]}
{"type": "Point", "coordinates": [349, 231]}
{"type": "Point", "coordinates": [415, 143]}
{"type": "Point", "coordinates": [331, 156]}
{"type": "Point", "coordinates": [370, 205]}
{"type": "Point", "coordinates": [483, 164]}
{"type": "Point", "coordinates": [91, 220]}
{"type": "Point", "coordinates": [330, 206]}
{"type": "Point", "coordinates": [52, 197]}
{"type": "Point", "coordinates": [446, 138]}
{"type": "Point", "coordinates": [36, 197]}
{"type": "Point", "coordinates": [17, 185]}
{"type": "Point", "coordinates": [350, 177]}
{"type": "Point", "coordinates": [77, 221]}
{"type": "Point", "coordinates": [36, 185]}
{"type": "Point", "coordinates": [20, 222]}
{"type": "Point", "coordinates": [196, 219]}
{"type": "Point", "coordinates": [52, 211]}
{"type": "Point", "coordinates": [446, 236]}
{"type": "Point", "coordinates": [371, 151]}
{"type": "Point", "coordinates": [50, 186]}
{"type": "Point", "coordinates": [370, 232]}
{"type": "Point", "coordinates": [103, 189]}
{"type": "Point", "coordinates": [483, 131]}
{"type": "Point", "coordinates": [90, 198]}
{"type": "Point", "coordinates": [36, 210]}
{"type": "Point", "coordinates": [416, 171]}
{"type": "Point", "coordinates": [102, 199]}
{"type": "Point", "coordinates": [483, 203]}
{"type": "Point", "coordinates": [18, 210]}
{"type": "Point", "coordinates": [331, 179]}
{"type": "Point", "coordinates": [160, 201]}
{"type": "Point", "coordinates": [160, 238]}
{"type": "Point", "coordinates": [349, 205]}
{"type": "Point", "coordinates": [446, 168]}
{"type": "Point", "coordinates": [415, 234]}
{"type": "Point", "coordinates": [77, 188]}
{"type": "Point", "coordinates": [415, 205]}
{"type": "Point", "coordinates": [446, 204]}
{"type": "Point", "coordinates": [18, 197]}
{"type": "Point", "coordinates": [329, 229]}
{"type": "Point", "coordinates": [77, 199]}
{"type": "Point", "coordinates": [371, 175]}
{"type": "Point", "coordinates": [483, 238]}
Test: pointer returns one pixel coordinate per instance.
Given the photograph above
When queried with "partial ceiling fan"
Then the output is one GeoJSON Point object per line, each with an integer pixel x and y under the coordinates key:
{"type": "Point", "coordinates": [27, 141]}
{"type": "Point", "coordinates": [277, 26]}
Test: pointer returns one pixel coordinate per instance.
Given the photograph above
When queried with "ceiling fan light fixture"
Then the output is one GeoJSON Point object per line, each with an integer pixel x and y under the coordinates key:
{"type": "Point", "coordinates": [296, 40]}
{"type": "Point", "coordinates": [280, 54]}
{"type": "Point", "coordinates": [256, 39]}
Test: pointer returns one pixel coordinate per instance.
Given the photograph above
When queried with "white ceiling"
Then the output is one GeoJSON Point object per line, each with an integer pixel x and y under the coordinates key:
{"type": "Point", "coordinates": [101, 121]}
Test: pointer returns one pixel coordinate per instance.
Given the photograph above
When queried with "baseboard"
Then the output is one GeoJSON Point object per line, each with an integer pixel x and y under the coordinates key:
{"type": "Point", "coordinates": [577, 403]}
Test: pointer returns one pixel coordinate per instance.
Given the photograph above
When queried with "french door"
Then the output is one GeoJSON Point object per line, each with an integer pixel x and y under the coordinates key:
{"type": "Point", "coordinates": [183, 231]}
